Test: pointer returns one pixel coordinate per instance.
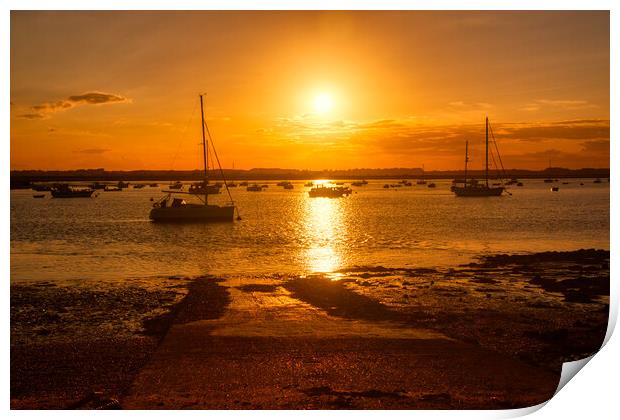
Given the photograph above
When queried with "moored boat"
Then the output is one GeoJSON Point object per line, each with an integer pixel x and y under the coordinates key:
{"type": "Point", "coordinates": [174, 209]}
{"type": "Point", "coordinates": [474, 188]}
{"type": "Point", "coordinates": [330, 192]}
{"type": "Point", "coordinates": [66, 191]}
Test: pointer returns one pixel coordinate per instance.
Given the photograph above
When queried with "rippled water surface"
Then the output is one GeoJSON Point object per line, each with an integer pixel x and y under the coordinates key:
{"type": "Point", "coordinates": [110, 237]}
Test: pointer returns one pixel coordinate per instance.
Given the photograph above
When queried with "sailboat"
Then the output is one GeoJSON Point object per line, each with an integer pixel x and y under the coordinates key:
{"type": "Point", "coordinates": [176, 209]}
{"type": "Point", "coordinates": [473, 188]}
{"type": "Point", "coordinates": [421, 181]}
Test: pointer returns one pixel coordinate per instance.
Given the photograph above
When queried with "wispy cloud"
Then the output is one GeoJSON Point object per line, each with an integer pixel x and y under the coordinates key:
{"type": "Point", "coordinates": [46, 109]}
{"type": "Point", "coordinates": [92, 151]}
{"type": "Point", "coordinates": [565, 104]}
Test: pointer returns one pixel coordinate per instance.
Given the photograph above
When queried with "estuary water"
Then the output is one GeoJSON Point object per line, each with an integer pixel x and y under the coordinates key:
{"type": "Point", "coordinates": [110, 238]}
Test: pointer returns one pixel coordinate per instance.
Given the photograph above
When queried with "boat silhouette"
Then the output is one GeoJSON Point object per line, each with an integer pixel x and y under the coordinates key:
{"type": "Point", "coordinates": [473, 188]}
{"type": "Point", "coordinates": [176, 209]}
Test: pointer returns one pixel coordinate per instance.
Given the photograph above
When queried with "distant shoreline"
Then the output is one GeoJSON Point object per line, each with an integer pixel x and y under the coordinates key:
{"type": "Point", "coordinates": [23, 178]}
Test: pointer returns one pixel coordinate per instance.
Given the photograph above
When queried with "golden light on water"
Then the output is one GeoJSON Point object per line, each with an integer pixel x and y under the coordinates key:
{"type": "Point", "coordinates": [323, 225]}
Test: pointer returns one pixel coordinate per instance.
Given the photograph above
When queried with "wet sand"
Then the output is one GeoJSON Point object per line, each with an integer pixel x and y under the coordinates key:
{"type": "Point", "coordinates": [491, 334]}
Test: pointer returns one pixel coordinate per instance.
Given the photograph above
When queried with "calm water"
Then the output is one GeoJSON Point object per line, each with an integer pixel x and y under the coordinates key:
{"type": "Point", "coordinates": [284, 231]}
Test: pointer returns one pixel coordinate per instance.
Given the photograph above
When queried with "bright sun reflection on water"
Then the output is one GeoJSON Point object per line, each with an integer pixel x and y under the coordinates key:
{"type": "Point", "coordinates": [323, 224]}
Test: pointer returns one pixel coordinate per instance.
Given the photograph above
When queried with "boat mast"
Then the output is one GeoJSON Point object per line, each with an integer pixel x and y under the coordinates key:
{"type": "Point", "coordinates": [466, 160]}
{"type": "Point", "coordinates": [486, 164]}
{"type": "Point", "coordinates": [204, 151]}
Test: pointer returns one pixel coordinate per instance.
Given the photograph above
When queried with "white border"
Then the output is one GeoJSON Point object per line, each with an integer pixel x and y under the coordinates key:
{"type": "Point", "coordinates": [593, 393]}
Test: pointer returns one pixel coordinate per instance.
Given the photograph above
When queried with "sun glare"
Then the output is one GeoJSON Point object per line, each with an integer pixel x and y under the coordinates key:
{"type": "Point", "coordinates": [323, 103]}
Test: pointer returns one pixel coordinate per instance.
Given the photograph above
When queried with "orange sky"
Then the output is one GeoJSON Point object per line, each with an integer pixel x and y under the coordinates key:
{"type": "Point", "coordinates": [119, 90]}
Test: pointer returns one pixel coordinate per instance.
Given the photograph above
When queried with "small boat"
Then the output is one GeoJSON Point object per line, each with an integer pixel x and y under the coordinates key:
{"type": "Point", "coordinates": [386, 185]}
{"type": "Point", "coordinates": [519, 184]}
{"type": "Point", "coordinates": [265, 185]}
{"type": "Point", "coordinates": [41, 187]}
{"type": "Point", "coordinates": [555, 189]}
{"type": "Point", "coordinates": [97, 186]}
{"type": "Point", "coordinates": [357, 184]}
{"type": "Point", "coordinates": [330, 192]}
{"type": "Point", "coordinates": [431, 185]}
{"type": "Point", "coordinates": [122, 184]}
{"type": "Point", "coordinates": [243, 184]}
{"type": "Point", "coordinates": [155, 185]}
{"type": "Point", "coordinates": [473, 188]}
{"type": "Point", "coordinates": [282, 183]}
{"type": "Point", "coordinates": [288, 187]}
{"type": "Point", "coordinates": [202, 188]}
{"type": "Point", "coordinates": [38, 195]}
{"type": "Point", "coordinates": [66, 191]}
{"type": "Point", "coordinates": [139, 186]}
{"type": "Point", "coordinates": [421, 181]}
{"type": "Point", "coordinates": [309, 184]}
{"type": "Point", "coordinates": [232, 185]}
{"type": "Point", "coordinates": [176, 209]}
{"type": "Point", "coordinates": [565, 183]}
{"type": "Point", "coordinates": [110, 188]}
{"type": "Point", "coordinates": [254, 188]}
{"type": "Point", "coordinates": [548, 181]}
{"type": "Point", "coordinates": [176, 185]}
{"type": "Point", "coordinates": [597, 181]}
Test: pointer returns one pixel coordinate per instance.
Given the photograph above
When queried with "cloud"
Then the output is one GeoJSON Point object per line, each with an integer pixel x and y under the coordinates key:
{"type": "Point", "coordinates": [92, 151]}
{"type": "Point", "coordinates": [46, 109]}
{"type": "Point", "coordinates": [566, 104]}
{"type": "Point", "coordinates": [413, 139]}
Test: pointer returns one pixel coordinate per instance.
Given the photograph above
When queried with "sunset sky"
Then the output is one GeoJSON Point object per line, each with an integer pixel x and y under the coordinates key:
{"type": "Point", "coordinates": [308, 90]}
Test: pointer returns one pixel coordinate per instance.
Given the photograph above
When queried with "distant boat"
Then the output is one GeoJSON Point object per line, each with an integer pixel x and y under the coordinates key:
{"type": "Point", "coordinates": [110, 188]}
{"type": "Point", "coordinates": [309, 184]}
{"type": "Point", "coordinates": [555, 189]}
{"type": "Point", "coordinates": [122, 184]}
{"type": "Point", "coordinates": [386, 185]}
{"type": "Point", "coordinates": [330, 192]}
{"type": "Point", "coordinates": [597, 181]}
{"type": "Point", "coordinates": [519, 184]}
{"type": "Point", "coordinates": [202, 188]}
{"type": "Point", "coordinates": [287, 185]}
{"type": "Point", "coordinates": [139, 186]}
{"type": "Point", "coordinates": [431, 185]}
{"type": "Point", "coordinates": [38, 195]}
{"type": "Point", "coordinates": [175, 209]}
{"type": "Point", "coordinates": [475, 189]}
{"type": "Point", "coordinates": [154, 185]}
{"type": "Point", "coordinates": [66, 191]}
{"type": "Point", "coordinates": [548, 181]}
{"type": "Point", "coordinates": [243, 184]}
{"type": "Point", "coordinates": [176, 185]}
{"type": "Point", "coordinates": [254, 188]}
{"type": "Point", "coordinates": [97, 186]}
{"type": "Point", "coordinates": [421, 181]}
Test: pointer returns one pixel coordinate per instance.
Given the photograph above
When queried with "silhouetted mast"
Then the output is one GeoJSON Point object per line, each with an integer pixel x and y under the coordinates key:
{"type": "Point", "coordinates": [466, 159]}
{"type": "Point", "coordinates": [204, 150]}
{"type": "Point", "coordinates": [486, 164]}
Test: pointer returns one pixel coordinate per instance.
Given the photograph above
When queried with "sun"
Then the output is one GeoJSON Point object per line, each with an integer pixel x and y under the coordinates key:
{"type": "Point", "coordinates": [323, 103]}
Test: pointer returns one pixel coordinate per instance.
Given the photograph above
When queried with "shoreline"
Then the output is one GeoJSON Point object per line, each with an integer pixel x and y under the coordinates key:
{"type": "Point", "coordinates": [532, 311]}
